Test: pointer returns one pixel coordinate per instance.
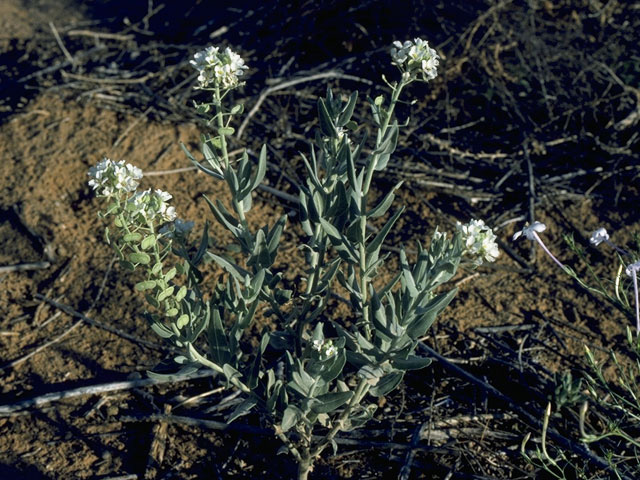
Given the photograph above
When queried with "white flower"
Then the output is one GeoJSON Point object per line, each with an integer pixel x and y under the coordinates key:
{"type": "Point", "coordinates": [599, 236]}
{"type": "Point", "coordinates": [109, 177]}
{"type": "Point", "coordinates": [479, 241]}
{"type": "Point", "coordinates": [529, 230]}
{"type": "Point", "coordinates": [220, 68]}
{"type": "Point", "coordinates": [415, 57]}
{"type": "Point", "coordinates": [329, 350]}
{"type": "Point", "coordinates": [400, 51]}
{"type": "Point", "coordinates": [326, 348]}
{"type": "Point", "coordinates": [634, 267]}
{"type": "Point", "coordinates": [152, 206]}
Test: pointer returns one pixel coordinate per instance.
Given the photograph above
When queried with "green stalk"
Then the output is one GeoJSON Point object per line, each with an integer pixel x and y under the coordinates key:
{"type": "Point", "coordinates": [361, 391]}
{"type": "Point", "coordinates": [312, 283]}
{"type": "Point", "coordinates": [217, 102]}
{"type": "Point", "coordinates": [364, 202]}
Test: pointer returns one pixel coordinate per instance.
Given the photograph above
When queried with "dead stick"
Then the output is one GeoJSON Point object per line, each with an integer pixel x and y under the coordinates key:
{"type": "Point", "coordinates": [61, 45]}
{"type": "Point", "coordinates": [242, 428]}
{"type": "Point", "coordinates": [42, 400]}
{"type": "Point", "coordinates": [26, 357]}
{"type": "Point", "coordinates": [290, 83]}
{"type": "Point", "coordinates": [564, 442]}
{"type": "Point", "coordinates": [112, 81]}
{"type": "Point", "coordinates": [20, 267]}
{"type": "Point", "coordinates": [109, 36]}
{"type": "Point", "coordinates": [103, 326]}
{"type": "Point", "coordinates": [23, 358]}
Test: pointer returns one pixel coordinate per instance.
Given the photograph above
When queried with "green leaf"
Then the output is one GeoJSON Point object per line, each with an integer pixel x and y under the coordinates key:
{"type": "Point", "coordinates": [161, 330]}
{"type": "Point", "coordinates": [204, 243]}
{"type": "Point", "coordinates": [170, 274]}
{"type": "Point", "coordinates": [230, 373]}
{"type": "Point", "coordinates": [331, 401]}
{"type": "Point", "coordinates": [237, 109]}
{"type": "Point", "coordinates": [140, 257]}
{"type": "Point", "coordinates": [384, 205]}
{"type": "Point", "coordinates": [262, 168]}
{"type": "Point", "coordinates": [371, 372]}
{"type": "Point", "coordinates": [148, 242]}
{"type": "Point", "coordinates": [224, 217]}
{"type": "Point", "coordinates": [187, 370]}
{"type": "Point", "coordinates": [132, 237]}
{"type": "Point", "coordinates": [182, 320]}
{"type": "Point", "coordinates": [346, 114]}
{"type": "Point", "coordinates": [165, 293]}
{"type": "Point", "coordinates": [254, 373]}
{"type": "Point", "coordinates": [218, 342]}
{"type": "Point", "coordinates": [326, 123]}
{"type": "Point", "coordinates": [412, 362]}
{"type": "Point", "coordinates": [195, 355]}
{"type": "Point", "coordinates": [157, 268]}
{"type": "Point", "coordinates": [427, 314]}
{"type": "Point", "coordinates": [374, 247]}
{"type": "Point", "coordinates": [146, 285]}
{"type": "Point", "coordinates": [238, 272]}
{"type": "Point", "coordinates": [339, 242]}
{"type": "Point", "coordinates": [386, 384]}
{"type": "Point", "coordinates": [172, 312]}
{"type": "Point", "coordinates": [243, 409]}
{"type": "Point", "coordinates": [226, 131]}
{"type": "Point", "coordinates": [334, 366]}
{"type": "Point", "coordinates": [152, 301]}
{"type": "Point", "coordinates": [181, 293]}
{"type": "Point", "coordinates": [388, 144]}
{"type": "Point", "coordinates": [290, 417]}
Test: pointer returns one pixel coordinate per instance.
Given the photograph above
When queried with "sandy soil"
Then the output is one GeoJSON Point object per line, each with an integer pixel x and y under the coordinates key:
{"type": "Point", "coordinates": [48, 214]}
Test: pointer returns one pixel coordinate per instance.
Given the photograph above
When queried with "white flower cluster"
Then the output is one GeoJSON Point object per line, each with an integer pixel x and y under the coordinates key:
{"type": "Point", "coordinates": [152, 206]}
{"type": "Point", "coordinates": [109, 177]}
{"type": "Point", "coordinates": [218, 68]}
{"type": "Point", "coordinates": [479, 241]}
{"type": "Point", "coordinates": [326, 348]}
{"type": "Point", "coordinates": [415, 57]}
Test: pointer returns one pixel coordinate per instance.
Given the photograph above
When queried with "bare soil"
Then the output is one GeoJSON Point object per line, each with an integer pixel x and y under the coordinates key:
{"type": "Point", "coordinates": [557, 97]}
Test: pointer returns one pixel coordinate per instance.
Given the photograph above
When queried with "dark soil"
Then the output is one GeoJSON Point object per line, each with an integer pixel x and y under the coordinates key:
{"type": "Point", "coordinates": [542, 90]}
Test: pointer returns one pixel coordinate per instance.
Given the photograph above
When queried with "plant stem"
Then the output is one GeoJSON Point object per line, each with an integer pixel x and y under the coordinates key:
{"type": "Point", "coordinates": [304, 467]}
{"type": "Point", "coordinates": [361, 391]}
{"type": "Point", "coordinates": [312, 282]}
{"type": "Point", "coordinates": [395, 94]}
{"type": "Point", "coordinates": [217, 100]}
{"type": "Point", "coordinates": [547, 251]}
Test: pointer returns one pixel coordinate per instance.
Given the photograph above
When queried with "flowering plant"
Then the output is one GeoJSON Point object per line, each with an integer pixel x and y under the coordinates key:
{"type": "Point", "coordinates": [628, 261]}
{"type": "Point", "coordinates": [311, 372]}
{"type": "Point", "coordinates": [615, 399]}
